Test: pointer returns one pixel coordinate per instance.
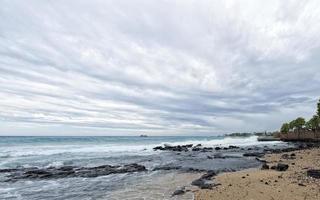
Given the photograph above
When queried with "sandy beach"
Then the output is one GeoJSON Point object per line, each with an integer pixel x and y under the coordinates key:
{"type": "Point", "coordinates": [292, 184]}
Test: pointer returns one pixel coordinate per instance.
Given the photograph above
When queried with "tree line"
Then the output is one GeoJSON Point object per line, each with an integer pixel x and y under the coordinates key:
{"type": "Point", "coordinates": [300, 123]}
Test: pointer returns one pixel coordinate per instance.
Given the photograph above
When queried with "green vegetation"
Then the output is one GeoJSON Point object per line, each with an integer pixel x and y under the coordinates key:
{"type": "Point", "coordinates": [318, 110]}
{"type": "Point", "coordinates": [285, 128]}
{"type": "Point", "coordinates": [313, 123]}
{"type": "Point", "coordinates": [292, 124]}
{"type": "Point", "coordinates": [300, 123]}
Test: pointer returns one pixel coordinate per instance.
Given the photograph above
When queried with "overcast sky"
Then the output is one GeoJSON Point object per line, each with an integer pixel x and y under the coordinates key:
{"type": "Point", "coordinates": [158, 67]}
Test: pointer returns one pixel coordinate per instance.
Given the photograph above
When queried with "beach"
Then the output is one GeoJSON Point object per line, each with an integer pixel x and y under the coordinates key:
{"type": "Point", "coordinates": [117, 167]}
{"type": "Point", "coordinates": [270, 184]}
{"type": "Point", "coordinates": [159, 100]}
{"type": "Point", "coordinates": [127, 168]}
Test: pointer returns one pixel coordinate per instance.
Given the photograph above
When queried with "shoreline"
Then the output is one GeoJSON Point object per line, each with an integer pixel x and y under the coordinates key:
{"type": "Point", "coordinates": [270, 184]}
{"type": "Point", "coordinates": [176, 170]}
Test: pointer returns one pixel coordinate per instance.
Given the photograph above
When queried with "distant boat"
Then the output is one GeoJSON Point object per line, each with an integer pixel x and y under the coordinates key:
{"type": "Point", "coordinates": [143, 136]}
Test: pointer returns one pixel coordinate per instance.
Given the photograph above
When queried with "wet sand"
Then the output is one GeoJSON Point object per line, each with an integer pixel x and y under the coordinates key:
{"type": "Point", "coordinates": [160, 186]}
{"type": "Point", "coordinates": [257, 184]}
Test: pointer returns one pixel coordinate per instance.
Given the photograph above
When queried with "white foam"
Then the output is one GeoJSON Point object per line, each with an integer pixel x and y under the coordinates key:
{"type": "Point", "coordinates": [238, 141]}
{"type": "Point", "coordinates": [112, 149]}
{"type": "Point", "coordinates": [25, 151]}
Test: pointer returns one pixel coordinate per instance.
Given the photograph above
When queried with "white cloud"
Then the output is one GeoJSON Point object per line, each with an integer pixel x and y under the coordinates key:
{"type": "Point", "coordinates": [160, 67]}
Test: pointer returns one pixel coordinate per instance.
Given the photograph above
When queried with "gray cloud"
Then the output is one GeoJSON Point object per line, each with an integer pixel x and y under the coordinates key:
{"type": "Point", "coordinates": [157, 67]}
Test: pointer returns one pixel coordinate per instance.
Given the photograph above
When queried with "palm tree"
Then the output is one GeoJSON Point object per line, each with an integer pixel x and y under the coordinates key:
{"type": "Point", "coordinates": [292, 124]}
{"type": "Point", "coordinates": [318, 108]}
{"type": "Point", "coordinates": [285, 128]}
{"type": "Point", "coordinates": [313, 123]}
{"type": "Point", "coordinates": [299, 123]}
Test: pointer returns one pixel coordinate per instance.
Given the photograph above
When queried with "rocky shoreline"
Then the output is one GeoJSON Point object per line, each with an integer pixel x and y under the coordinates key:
{"type": "Point", "coordinates": [206, 182]}
{"type": "Point", "coordinates": [188, 150]}
{"type": "Point", "coordinates": [292, 173]}
{"type": "Point", "coordinates": [16, 174]}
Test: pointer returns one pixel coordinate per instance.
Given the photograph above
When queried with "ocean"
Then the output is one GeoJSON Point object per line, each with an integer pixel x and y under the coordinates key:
{"type": "Point", "coordinates": [46, 152]}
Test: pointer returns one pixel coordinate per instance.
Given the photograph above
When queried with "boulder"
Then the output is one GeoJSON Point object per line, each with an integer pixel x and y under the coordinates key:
{"type": "Point", "coordinates": [254, 154]}
{"type": "Point", "coordinates": [178, 192]}
{"type": "Point", "coordinates": [168, 147]}
{"type": "Point", "coordinates": [287, 156]}
{"type": "Point", "coordinates": [217, 148]}
{"type": "Point", "coordinates": [72, 171]}
{"type": "Point", "coordinates": [166, 168]}
{"type": "Point", "coordinates": [198, 182]}
{"type": "Point", "coordinates": [207, 149]}
{"type": "Point", "coordinates": [209, 175]}
{"type": "Point", "coordinates": [205, 182]}
{"type": "Point", "coordinates": [196, 148]}
{"type": "Point", "coordinates": [219, 156]}
{"type": "Point", "coordinates": [280, 167]}
{"type": "Point", "coordinates": [158, 148]}
{"type": "Point", "coordinates": [314, 173]}
{"type": "Point", "coordinates": [265, 166]}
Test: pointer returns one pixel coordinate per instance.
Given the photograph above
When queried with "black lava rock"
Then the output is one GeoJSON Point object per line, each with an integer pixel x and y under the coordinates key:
{"type": "Point", "coordinates": [179, 192]}
{"type": "Point", "coordinates": [72, 171]}
{"type": "Point", "coordinates": [280, 167]}
{"type": "Point", "coordinates": [166, 168]}
{"type": "Point", "coordinates": [254, 154]}
{"type": "Point", "coordinates": [217, 148]}
{"type": "Point", "coordinates": [265, 166]}
{"type": "Point", "coordinates": [314, 173]}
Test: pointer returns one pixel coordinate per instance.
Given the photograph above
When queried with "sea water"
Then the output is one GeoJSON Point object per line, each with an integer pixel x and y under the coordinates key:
{"type": "Point", "coordinates": [43, 152]}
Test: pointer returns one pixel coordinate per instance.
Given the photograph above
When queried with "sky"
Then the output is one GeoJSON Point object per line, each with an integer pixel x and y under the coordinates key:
{"type": "Point", "coordinates": [156, 67]}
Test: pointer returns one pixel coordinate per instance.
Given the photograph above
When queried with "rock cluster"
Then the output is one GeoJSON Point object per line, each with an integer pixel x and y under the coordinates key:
{"type": "Point", "coordinates": [314, 173]}
{"type": "Point", "coordinates": [173, 148]}
{"type": "Point", "coordinates": [205, 182]}
{"type": "Point", "coordinates": [280, 167]}
{"type": "Point", "coordinates": [70, 171]}
{"type": "Point", "coordinates": [254, 154]}
{"type": "Point", "coordinates": [166, 168]}
{"type": "Point", "coordinates": [287, 156]}
{"type": "Point", "coordinates": [179, 192]}
{"type": "Point", "coordinates": [265, 166]}
{"type": "Point", "coordinates": [190, 147]}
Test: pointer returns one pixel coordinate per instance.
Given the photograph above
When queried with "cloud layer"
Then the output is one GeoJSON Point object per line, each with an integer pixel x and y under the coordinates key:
{"type": "Point", "coordinates": [158, 67]}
